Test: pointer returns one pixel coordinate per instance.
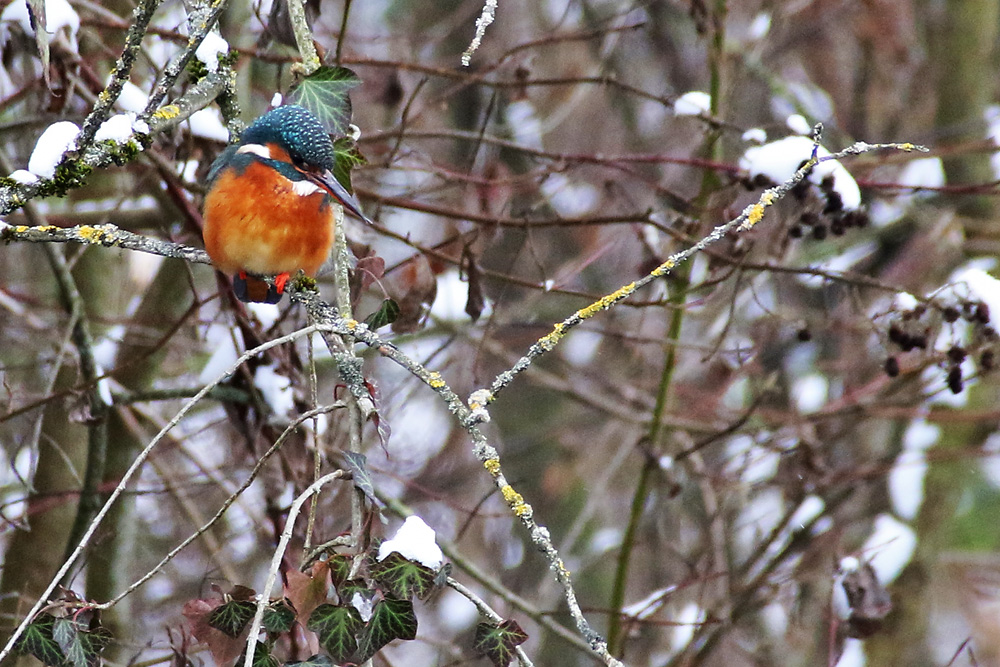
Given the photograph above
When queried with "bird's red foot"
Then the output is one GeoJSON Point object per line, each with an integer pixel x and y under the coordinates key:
{"type": "Point", "coordinates": [280, 281]}
{"type": "Point", "coordinates": [251, 289]}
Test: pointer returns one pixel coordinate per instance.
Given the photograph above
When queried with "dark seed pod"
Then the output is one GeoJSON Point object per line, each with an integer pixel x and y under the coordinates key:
{"type": "Point", "coordinates": [955, 380]}
{"type": "Point", "coordinates": [810, 218]}
{"type": "Point", "coordinates": [919, 341]}
{"type": "Point", "coordinates": [919, 311]}
{"type": "Point", "coordinates": [982, 313]}
{"type": "Point", "coordinates": [795, 231]}
{"type": "Point", "coordinates": [801, 190]}
{"type": "Point", "coordinates": [957, 354]}
{"type": "Point", "coordinates": [895, 334]}
{"type": "Point", "coordinates": [804, 335]}
{"type": "Point", "coordinates": [762, 181]}
{"type": "Point", "coordinates": [950, 314]}
{"type": "Point", "coordinates": [837, 227]}
{"type": "Point", "coordinates": [892, 367]}
{"type": "Point", "coordinates": [834, 204]}
{"type": "Point", "coordinates": [987, 361]}
{"type": "Point", "coordinates": [819, 232]}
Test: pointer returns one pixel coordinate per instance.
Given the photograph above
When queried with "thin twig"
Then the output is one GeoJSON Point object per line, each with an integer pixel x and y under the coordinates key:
{"type": "Point", "coordinates": [488, 612]}
{"type": "Point", "coordinates": [132, 470]}
{"type": "Point", "coordinates": [279, 554]}
{"type": "Point", "coordinates": [746, 220]}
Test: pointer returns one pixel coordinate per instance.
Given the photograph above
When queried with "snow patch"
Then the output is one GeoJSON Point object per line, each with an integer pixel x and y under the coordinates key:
{"type": "Point", "coordinates": [55, 142]}
{"type": "Point", "coordinates": [780, 159]}
{"type": "Point", "coordinates": [210, 49]}
{"type": "Point", "coordinates": [415, 541]}
{"type": "Point", "coordinates": [693, 103]}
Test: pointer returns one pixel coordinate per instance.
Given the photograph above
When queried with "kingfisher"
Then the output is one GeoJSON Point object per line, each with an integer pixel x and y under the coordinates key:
{"type": "Point", "coordinates": [269, 210]}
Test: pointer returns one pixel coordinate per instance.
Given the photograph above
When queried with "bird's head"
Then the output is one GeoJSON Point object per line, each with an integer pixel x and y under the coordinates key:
{"type": "Point", "coordinates": [294, 131]}
{"type": "Point", "coordinates": [293, 141]}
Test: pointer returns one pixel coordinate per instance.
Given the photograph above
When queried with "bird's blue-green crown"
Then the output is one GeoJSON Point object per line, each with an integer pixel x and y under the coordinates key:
{"type": "Point", "coordinates": [295, 129]}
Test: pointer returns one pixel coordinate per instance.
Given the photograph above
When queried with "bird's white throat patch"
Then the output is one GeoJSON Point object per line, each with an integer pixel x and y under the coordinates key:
{"type": "Point", "coordinates": [256, 149]}
{"type": "Point", "coordinates": [304, 188]}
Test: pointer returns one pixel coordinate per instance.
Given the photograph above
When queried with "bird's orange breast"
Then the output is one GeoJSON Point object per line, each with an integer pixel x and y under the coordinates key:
{"type": "Point", "coordinates": [256, 222]}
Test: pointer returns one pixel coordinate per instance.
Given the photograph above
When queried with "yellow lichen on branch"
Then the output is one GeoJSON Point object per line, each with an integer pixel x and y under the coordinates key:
{"type": "Point", "coordinates": [606, 302]}
{"type": "Point", "coordinates": [664, 268]}
{"type": "Point", "coordinates": [549, 340]}
{"type": "Point", "coordinates": [167, 112]}
{"type": "Point", "coordinates": [90, 234]}
{"type": "Point", "coordinates": [435, 380]}
{"type": "Point", "coordinates": [492, 466]}
{"type": "Point", "coordinates": [515, 500]}
{"type": "Point", "coordinates": [756, 212]}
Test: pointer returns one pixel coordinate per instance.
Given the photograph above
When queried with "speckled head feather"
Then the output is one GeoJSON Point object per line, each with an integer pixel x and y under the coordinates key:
{"type": "Point", "coordinates": [295, 129]}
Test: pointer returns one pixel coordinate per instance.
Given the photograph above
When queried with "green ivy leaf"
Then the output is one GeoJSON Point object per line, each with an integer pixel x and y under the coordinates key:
{"type": "Point", "coordinates": [337, 628]}
{"type": "Point", "coordinates": [38, 641]}
{"type": "Point", "coordinates": [278, 617]}
{"type": "Point", "coordinates": [325, 93]}
{"type": "Point", "coordinates": [317, 660]}
{"type": "Point", "coordinates": [358, 465]}
{"type": "Point", "coordinates": [346, 157]}
{"type": "Point", "coordinates": [231, 617]}
{"type": "Point", "coordinates": [384, 316]}
{"type": "Point", "coordinates": [497, 642]}
{"type": "Point", "coordinates": [261, 657]}
{"type": "Point", "coordinates": [340, 568]}
{"type": "Point", "coordinates": [81, 645]}
{"type": "Point", "coordinates": [391, 619]}
{"type": "Point", "coordinates": [403, 577]}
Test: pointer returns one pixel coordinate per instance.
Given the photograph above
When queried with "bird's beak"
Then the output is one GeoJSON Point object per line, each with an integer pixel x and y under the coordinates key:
{"type": "Point", "coordinates": [329, 182]}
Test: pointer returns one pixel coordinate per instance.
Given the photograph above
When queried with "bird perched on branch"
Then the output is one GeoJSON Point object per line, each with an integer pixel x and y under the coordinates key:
{"type": "Point", "coordinates": [270, 204]}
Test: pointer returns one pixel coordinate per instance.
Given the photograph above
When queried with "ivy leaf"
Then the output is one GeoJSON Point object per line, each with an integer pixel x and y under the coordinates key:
{"type": "Point", "coordinates": [37, 18]}
{"type": "Point", "coordinates": [317, 660]}
{"type": "Point", "coordinates": [357, 464]}
{"type": "Point", "coordinates": [242, 593]}
{"type": "Point", "coordinates": [391, 619]}
{"type": "Point", "coordinates": [261, 657]}
{"type": "Point", "coordinates": [403, 577]}
{"type": "Point", "coordinates": [384, 316]}
{"type": "Point", "coordinates": [349, 588]}
{"type": "Point", "coordinates": [278, 617]}
{"type": "Point", "coordinates": [340, 568]}
{"type": "Point", "coordinates": [80, 645]}
{"type": "Point", "coordinates": [346, 157]}
{"type": "Point", "coordinates": [337, 628]}
{"type": "Point", "coordinates": [231, 617]}
{"type": "Point", "coordinates": [308, 590]}
{"type": "Point", "coordinates": [38, 641]}
{"type": "Point", "coordinates": [497, 642]}
{"type": "Point", "coordinates": [325, 93]}
{"type": "Point", "coordinates": [381, 425]}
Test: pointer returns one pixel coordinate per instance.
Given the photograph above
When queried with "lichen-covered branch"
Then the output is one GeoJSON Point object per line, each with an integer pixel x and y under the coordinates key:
{"type": "Point", "coordinates": [141, 16]}
{"type": "Point", "coordinates": [73, 171]}
{"type": "Point", "coordinates": [106, 235]}
{"type": "Point", "coordinates": [746, 220]}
